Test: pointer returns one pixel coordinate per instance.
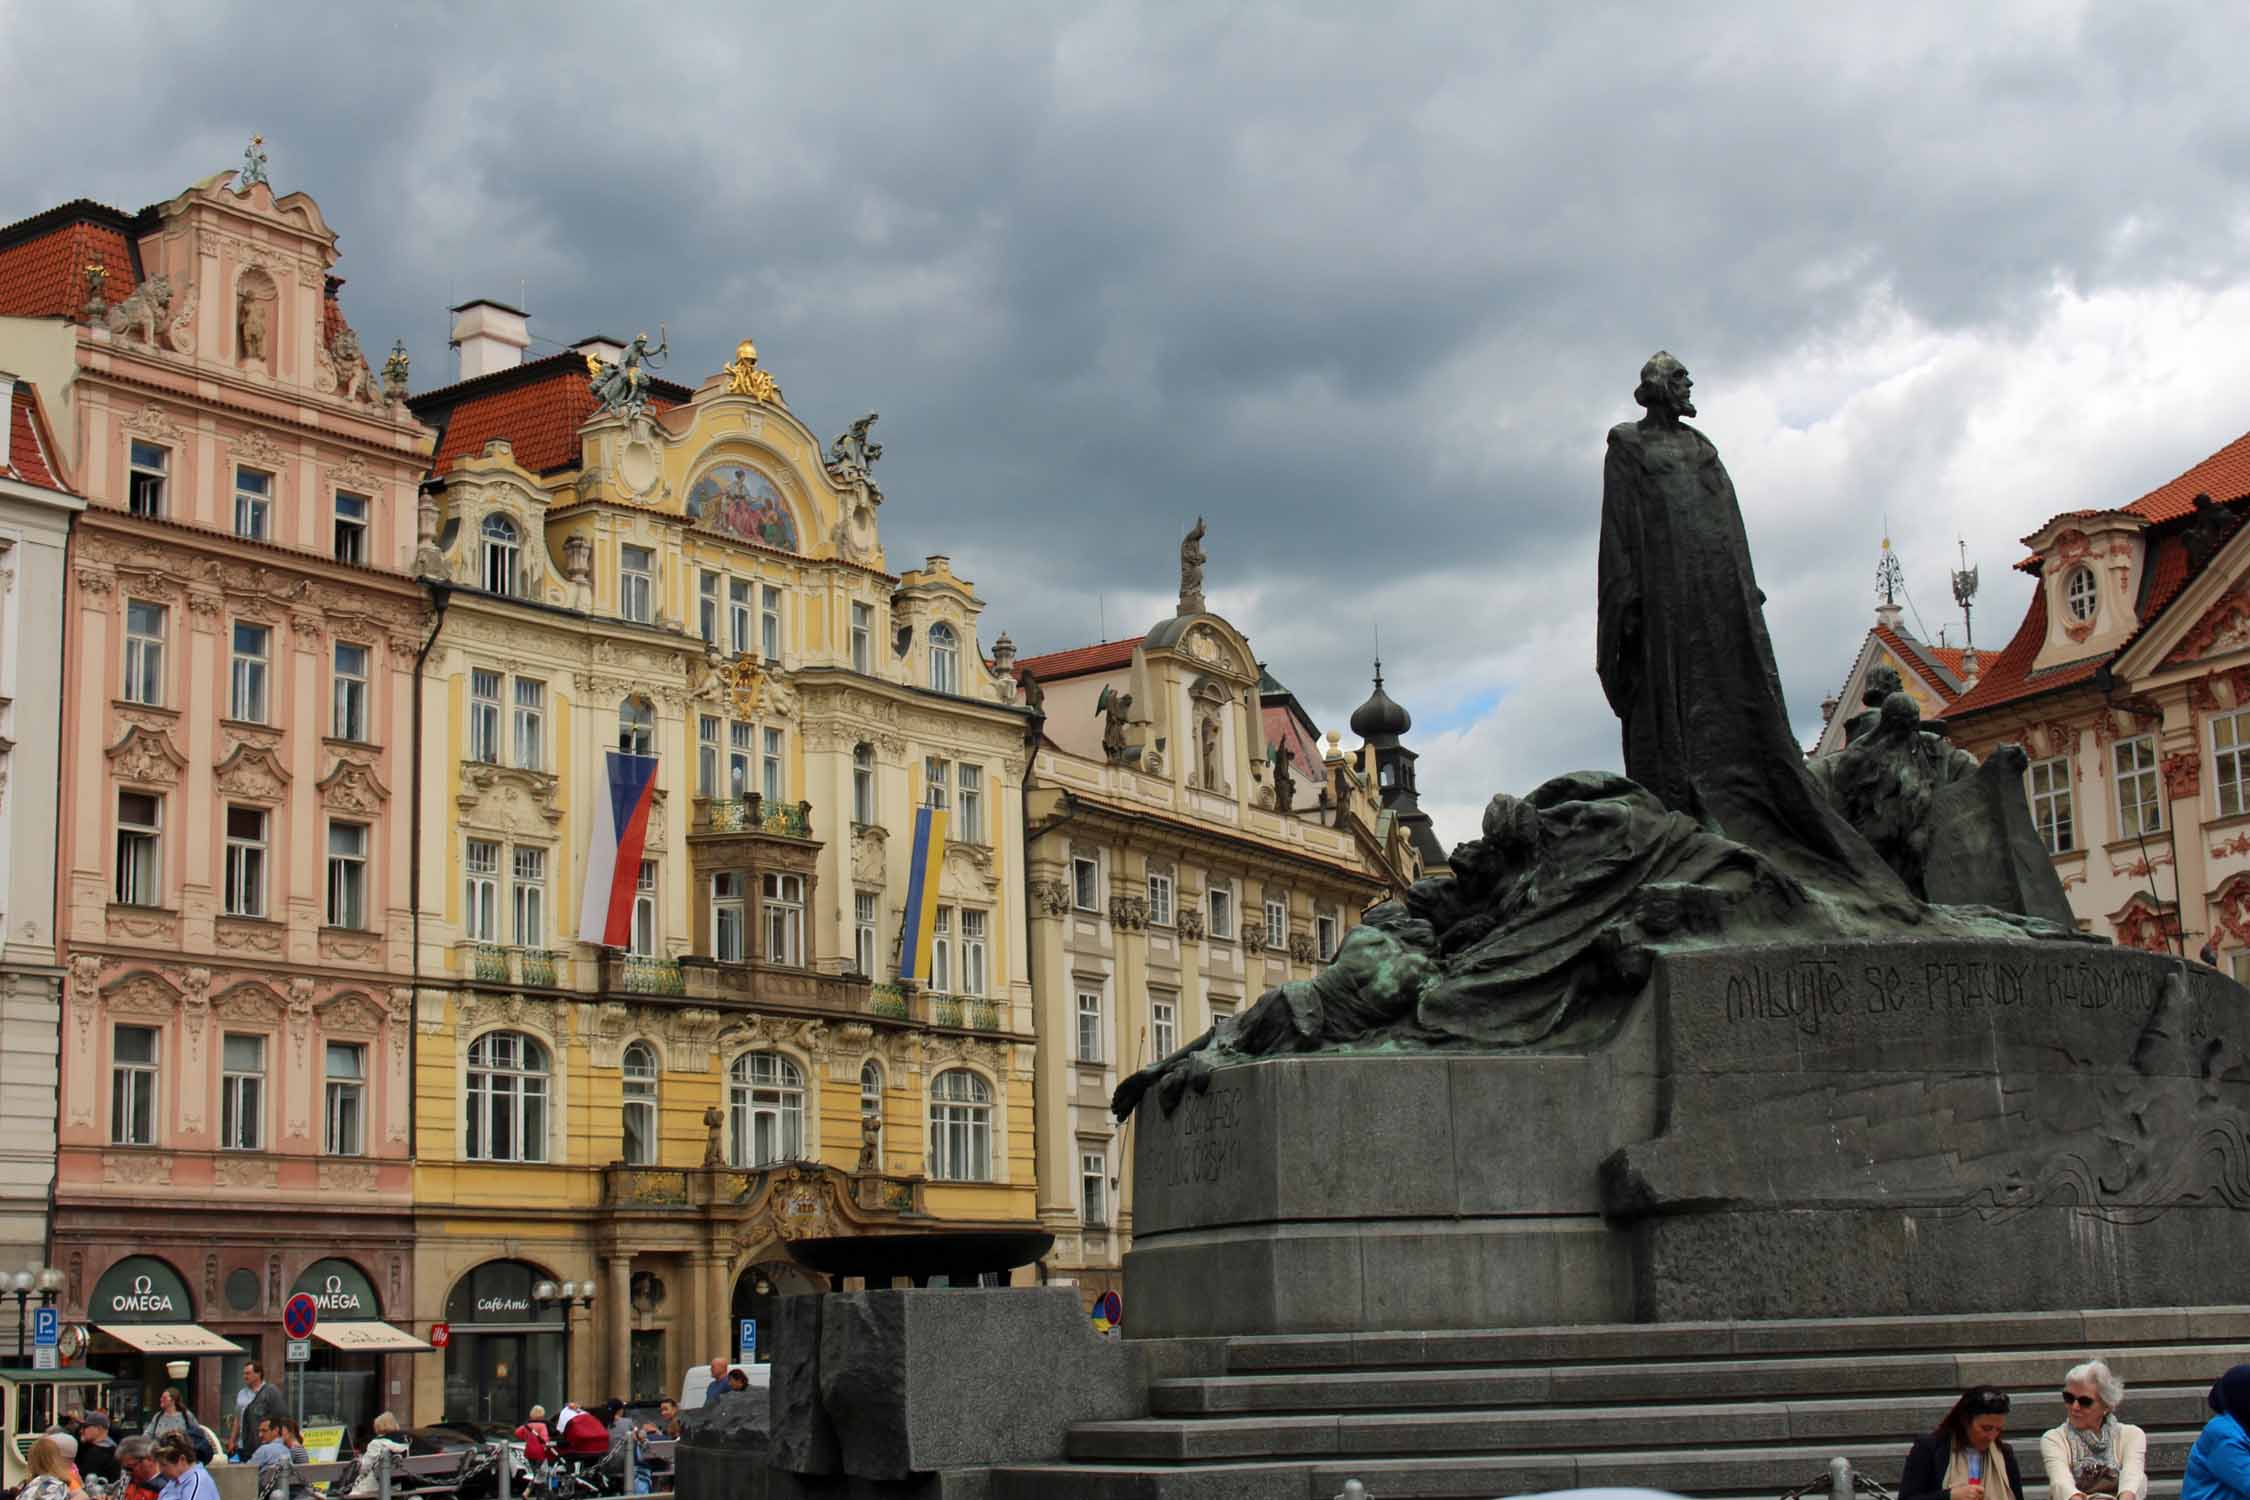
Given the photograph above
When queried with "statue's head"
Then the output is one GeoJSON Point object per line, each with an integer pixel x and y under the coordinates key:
{"type": "Point", "coordinates": [1881, 683]}
{"type": "Point", "coordinates": [1665, 386]}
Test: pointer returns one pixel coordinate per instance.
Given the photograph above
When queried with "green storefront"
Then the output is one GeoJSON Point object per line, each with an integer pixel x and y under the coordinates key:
{"type": "Point", "coordinates": [146, 1336]}
{"type": "Point", "coordinates": [346, 1382]}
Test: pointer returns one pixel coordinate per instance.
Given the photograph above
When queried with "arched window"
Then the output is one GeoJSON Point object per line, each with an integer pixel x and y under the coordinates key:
{"type": "Point", "coordinates": [2081, 593]}
{"type": "Point", "coordinates": [945, 659]}
{"type": "Point", "coordinates": [502, 553]}
{"type": "Point", "coordinates": [961, 1127]}
{"type": "Point", "coordinates": [766, 1110]}
{"type": "Point", "coordinates": [871, 1104]}
{"type": "Point", "coordinates": [639, 1067]}
{"type": "Point", "coordinates": [863, 783]}
{"type": "Point", "coordinates": [636, 727]}
{"type": "Point", "coordinates": [507, 1098]}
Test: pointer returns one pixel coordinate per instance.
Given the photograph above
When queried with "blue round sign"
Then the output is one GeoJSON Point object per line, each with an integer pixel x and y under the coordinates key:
{"type": "Point", "coordinates": [299, 1315]}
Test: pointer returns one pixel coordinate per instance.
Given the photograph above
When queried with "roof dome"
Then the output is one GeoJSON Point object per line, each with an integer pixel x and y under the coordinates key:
{"type": "Point", "coordinates": [1379, 717]}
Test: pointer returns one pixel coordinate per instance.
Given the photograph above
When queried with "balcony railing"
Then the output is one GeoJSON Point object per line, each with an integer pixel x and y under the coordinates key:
{"type": "Point", "coordinates": [632, 974]}
{"type": "Point", "coordinates": [491, 964]}
{"type": "Point", "coordinates": [539, 967]}
{"type": "Point", "coordinates": [887, 1000]}
{"type": "Point", "coordinates": [681, 1187]}
{"type": "Point", "coordinates": [743, 984]}
{"type": "Point", "coordinates": [753, 814]}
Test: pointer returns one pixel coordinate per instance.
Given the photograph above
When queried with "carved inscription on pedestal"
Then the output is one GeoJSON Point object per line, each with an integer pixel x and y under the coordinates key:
{"type": "Point", "coordinates": [1819, 994]}
{"type": "Point", "coordinates": [1205, 1148]}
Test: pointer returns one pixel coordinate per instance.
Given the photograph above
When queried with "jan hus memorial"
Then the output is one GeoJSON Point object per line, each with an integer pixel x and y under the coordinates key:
{"type": "Point", "coordinates": [1720, 1038]}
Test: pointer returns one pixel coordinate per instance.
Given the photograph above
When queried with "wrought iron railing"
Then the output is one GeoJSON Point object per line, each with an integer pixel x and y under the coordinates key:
{"type": "Point", "coordinates": [754, 814]}
{"type": "Point", "coordinates": [647, 976]}
{"type": "Point", "coordinates": [539, 967]}
{"type": "Point", "coordinates": [984, 1015]}
{"type": "Point", "coordinates": [491, 963]}
{"type": "Point", "coordinates": [886, 1000]}
{"type": "Point", "coordinates": [945, 1010]}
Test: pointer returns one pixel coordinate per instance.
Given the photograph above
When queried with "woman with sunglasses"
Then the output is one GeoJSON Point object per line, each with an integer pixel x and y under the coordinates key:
{"type": "Point", "coordinates": [1964, 1458]}
{"type": "Point", "coordinates": [2091, 1453]}
{"type": "Point", "coordinates": [2218, 1466]}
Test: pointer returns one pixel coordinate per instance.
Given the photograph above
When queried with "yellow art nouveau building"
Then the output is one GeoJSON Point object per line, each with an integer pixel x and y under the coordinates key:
{"type": "Point", "coordinates": [613, 1145]}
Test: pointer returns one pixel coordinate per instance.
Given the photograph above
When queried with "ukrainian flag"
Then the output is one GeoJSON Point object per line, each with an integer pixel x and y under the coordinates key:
{"type": "Point", "coordinates": [922, 895]}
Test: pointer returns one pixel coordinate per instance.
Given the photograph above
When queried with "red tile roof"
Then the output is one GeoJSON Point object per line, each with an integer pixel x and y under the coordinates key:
{"type": "Point", "coordinates": [43, 260]}
{"type": "Point", "coordinates": [29, 456]}
{"type": "Point", "coordinates": [1949, 657]}
{"type": "Point", "coordinates": [2008, 677]}
{"type": "Point", "coordinates": [1080, 660]}
{"type": "Point", "coordinates": [537, 406]}
{"type": "Point", "coordinates": [1923, 659]}
{"type": "Point", "coordinates": [1284, 729]}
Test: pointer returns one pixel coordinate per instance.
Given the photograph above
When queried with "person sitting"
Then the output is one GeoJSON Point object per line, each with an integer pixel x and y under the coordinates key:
{"type": "Point", "coordinates": [718, 1385]}
{"type": "Point", "coordinates": [272, 1447]}
{"type": "Point", "coordinates": [2218, 1466]}
{"type": "Point", "coordinates": [383, 1449]}
{"type": "Point", "coordinates": [538, 1441]}
{"type": "Point", "coordinates": [585, 1437]}
{"type": "Point", "coordinates": [185, 1478]}
{"type": "Point", "coordinates": [52, 1477]}
{"type": "Point", "coordinates": [97, 1455]}
{"type": "Point", "coordinates": [738, 1380]}
{"type": "Point", "coordinates": [2092, 1453]}
{"type": "Point", "coordinates": [1964, 1459]}
{"type": "Point", "coordinates": [136, 1461]}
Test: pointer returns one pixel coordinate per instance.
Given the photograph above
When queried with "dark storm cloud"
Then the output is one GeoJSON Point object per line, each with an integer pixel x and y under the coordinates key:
{"type": "Point", "coordinates": [1362, 285]}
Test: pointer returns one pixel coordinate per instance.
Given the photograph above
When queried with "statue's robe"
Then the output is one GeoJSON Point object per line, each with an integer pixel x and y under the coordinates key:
{"type": "Point", "coordinates": [1687, 665]}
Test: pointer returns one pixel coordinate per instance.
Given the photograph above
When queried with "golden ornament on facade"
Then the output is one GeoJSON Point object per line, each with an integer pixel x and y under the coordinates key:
{"type": "Point", "coordinates": [745, 681]}
{"type": "Point", "coordinates": [744, 378]}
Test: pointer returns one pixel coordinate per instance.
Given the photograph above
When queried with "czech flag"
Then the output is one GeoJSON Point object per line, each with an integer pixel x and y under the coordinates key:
{"type": "Point", "coordinates": [613, 857]}
{"type": "Point", "coordinates": [920, 915]}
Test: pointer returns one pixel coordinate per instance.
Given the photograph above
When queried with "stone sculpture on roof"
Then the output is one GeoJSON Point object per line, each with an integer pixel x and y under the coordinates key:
{"type": "Point", "coordinates": [622, 387]}
{"type": "Point", "coordinates": [1552, 921]}
{"type": "Point", "coordinates": [253, 169]}
{"type": "Point", "coordinates": [1115, 709]}
{"type": "Point", "coordinates": [854, 451]}
{"type": "Point", "coordinates": [1191, 570]}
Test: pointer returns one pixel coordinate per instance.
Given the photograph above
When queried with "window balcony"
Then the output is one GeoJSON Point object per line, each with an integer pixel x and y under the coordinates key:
{"type": "Point", "coordinates": [630, 974]}
{"type": "Point", "coordinates": [630, 1187]}
{"type": "Point", "coordinates": [971, 1012]}
{"type": "Point", "coordinates": [753, 814]}
{"type": "Point", "coordinates": [744, 985]}
{"type": "Point", "coordinates": [501, 963]}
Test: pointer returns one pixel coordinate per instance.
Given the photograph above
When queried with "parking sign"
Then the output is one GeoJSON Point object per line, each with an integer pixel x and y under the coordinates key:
{"type": "Point", "coordinates": [46, 1327]}
{"type": "Point", "coordinates": [749, 1355]}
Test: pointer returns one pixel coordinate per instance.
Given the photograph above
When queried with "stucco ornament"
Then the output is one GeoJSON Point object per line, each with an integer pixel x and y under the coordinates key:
{"type": "Point", "coordinates": [395, 372]}
{"type": "Point", "coordinates": [744, 378]}
{"type": "Point", "coordinates": [622, 387]}
{"type": "Point", "coordinates": [144, 311]}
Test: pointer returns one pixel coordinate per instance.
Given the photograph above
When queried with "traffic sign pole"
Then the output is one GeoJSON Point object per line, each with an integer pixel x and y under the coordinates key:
{"type": "Point", "coordinates": [299, 1316]}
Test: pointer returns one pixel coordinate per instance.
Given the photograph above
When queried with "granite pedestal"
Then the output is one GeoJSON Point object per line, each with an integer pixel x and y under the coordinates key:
{"type": "Point", "coordinates": [1800, 1130]}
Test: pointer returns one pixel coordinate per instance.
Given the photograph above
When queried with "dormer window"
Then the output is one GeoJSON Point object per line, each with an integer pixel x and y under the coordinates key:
{"type": "Point", "coordinates": [499, 535]}
{"type": "Point", "coordinates": [2081, 595]}
{"type": "Point", "coordinates": [945, 659]}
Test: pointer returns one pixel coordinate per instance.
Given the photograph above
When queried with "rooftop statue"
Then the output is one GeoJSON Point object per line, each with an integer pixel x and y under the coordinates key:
{"type": "Point", "coordinates": [622, 387]}
{"type": "Point", "coordinates": [854, 450]}
{"type": "Point", "coordinates": [744, 378]}
{"type": "Point", "coordinates": [1191, 570]}
{"type": "Point", "coordinates": [253, 169]}
{"type": "Point", "coordinates": [1551, 922]}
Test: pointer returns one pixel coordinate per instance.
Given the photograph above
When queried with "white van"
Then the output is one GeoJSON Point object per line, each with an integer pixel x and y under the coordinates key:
{"type": "Point", "coordinates": [697, 1382]}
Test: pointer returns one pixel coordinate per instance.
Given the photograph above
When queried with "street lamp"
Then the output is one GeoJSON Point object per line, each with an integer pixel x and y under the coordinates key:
{"type": "Point", "coordinates": [571, 1294]}
{"type": "Point", "coordinates": [40, 1281]}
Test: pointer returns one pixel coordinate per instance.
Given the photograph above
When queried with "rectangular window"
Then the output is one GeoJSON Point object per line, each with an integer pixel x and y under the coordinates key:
{"type": "Point", "coordinates": [345, 1115]}
{"type": "Point", "coordinates": [144, 652]}
{"type": "Point", "coordinates": [140, 863]}
{"type": "Point", "coordinates": [1324, 934]}
{"type": "Point", "coordinates": [739, 740]}
{"type": "Point", "coordinates": [145, 479]}
{"type": "Point", "coordinates": [482, 917]}
{"type": "Point", "coordinates": [863, 932]}
{"type": "Point", "coordinates": [531, 896]}
{"type": "Point", "coordinates": [246, 862]}
{"type": "Point", "coordinates": [973, 972]}
{"type": "Point", "coordinates": [253, 504]}
{"type": "Point", "coordinates": [484, 716]}
{"type": "Point", "coordinates": [941, 951]}
{"type": "Point", "coordinates": [1093, 1189]}
{"type": "Point", "coordinates": [1222, 911]}
{"type": "Point", "coordinates": [636, 584]}
{"type": "Point", "coordinates": [707, 754]}
{"type": "Point", "coordinates": [132, 1086]}
{"type": "Point", "coordinates": [1163, 1028]}
{"type": "Point", "coordinates": [352, 512]}
{"type": "Point", "coordinates": [531, 724]}
{"type": "Point", "coordinates": [1277, 924]}
{"type": "Point", "coordinates": [242, 1093]}
{"type": "Point", "coordinates": [707, 608]}
{"type": "Point", "coordinates": [726, 916]}
{"type": "Point", "coordinates": [253, 653]}
{"type": "Point", "coordinates": [863, 784]}
{"type": "Point", "coordinates": [772, 767]}
{"type": "Point", "coordinates": [2230, 762]}
{"type": "Point", "coordinates": [968, 826]}
{"type": "Point", "coordinates": [347, 875]}
{"type": "Point", "coordinates": [1089, 1026]}
{"type": "Point", "coordinates": [639, 1075]}
{"type": "Point", "coordinates": [643, 944]}
{"type": "Point", "coordinates": [1159, 900]}
{"type": "Point", "coordinates": [2140, 791]}
{"type": "Point", "coordinates": [935, 776]}
{"type": "Point", "coordinates": [769, 623]}
{"type": "Point", "coordinates": [1085, 883]}
{"type": "Point", "coordinates": [863, 637]}
{"type": "Point", "coordinates": [784, 903]}
{"type": "Point", "coordinates": [350, 708]}
{"type": "Point", "coordinates": [2048, 784]}
{"type": "Point", "coordinates": [738, 613]}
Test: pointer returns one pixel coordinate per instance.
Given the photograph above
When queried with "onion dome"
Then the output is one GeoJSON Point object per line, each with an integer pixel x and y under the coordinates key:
{"type": "Point", "coordinates": [1380, 718]}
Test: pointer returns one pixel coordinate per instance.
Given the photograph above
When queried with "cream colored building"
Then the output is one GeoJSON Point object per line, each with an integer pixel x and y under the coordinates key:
{"type": "Point", "coordinates": [615, 1142]}
{"type": "Point", "coordinates": [1188, 849]}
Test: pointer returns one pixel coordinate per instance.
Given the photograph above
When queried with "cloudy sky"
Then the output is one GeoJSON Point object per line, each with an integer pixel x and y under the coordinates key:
{"type": "Point", "coordinates": [1364, 285]}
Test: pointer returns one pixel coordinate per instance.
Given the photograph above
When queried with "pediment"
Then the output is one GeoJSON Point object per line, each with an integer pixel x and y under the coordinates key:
{"type": "Point", "coordinates": [141, 993]}
{"type": "Point", "coordinates": [250, 1001]}
{"type": "Point", "coordinates": [349, 1013]}
{"type": "Point", "coordinates": [253, 771]}
{"type": "Point", "coordinates": [503, 799]}
{"type": "Point", "coordinates": [146, 755]}
{"type": "Point", "coordinates": [351, 786]}
{"type": "Point", "coordinates": [2220, 630]}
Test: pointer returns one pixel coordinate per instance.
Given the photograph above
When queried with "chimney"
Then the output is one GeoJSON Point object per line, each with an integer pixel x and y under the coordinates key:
{"type": "Point", "coordinates": [490, 335]}
{"type": "Point", "coordinates": [604, 348]}
{"type": "Point", "coordinates": [1887, 615]}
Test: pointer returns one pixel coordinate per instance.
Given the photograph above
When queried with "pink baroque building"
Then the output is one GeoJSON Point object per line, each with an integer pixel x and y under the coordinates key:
{"type": "Point", "coordinates": [240, 641]}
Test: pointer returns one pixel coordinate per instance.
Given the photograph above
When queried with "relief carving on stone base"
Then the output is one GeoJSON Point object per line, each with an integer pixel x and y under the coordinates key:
{"type": "Point", "coordinates": [235, 1171]}
{"type": "Point", "coordinates": [137, 1168]}
{"type": "Point", "coordinates": [146, 925]}
{"type": "Point", "coordinates": [346, 1177]}
{"type": "Point", "coordinates": [343, 945]}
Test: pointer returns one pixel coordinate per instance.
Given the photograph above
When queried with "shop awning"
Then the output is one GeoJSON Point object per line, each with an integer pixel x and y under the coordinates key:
{"type": "Point", "coordinates": [169, 1338]}
{"type": "Point", "coordinates": [370, 1337]}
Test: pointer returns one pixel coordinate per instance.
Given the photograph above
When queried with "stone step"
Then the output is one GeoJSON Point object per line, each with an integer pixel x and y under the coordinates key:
{"type": "Point", "coordinates": [1206, 1439]}
{"type": "Point", "coordinates": [2026, 1370]}
{"type": "Point", "coordinates": [2100, 1330]}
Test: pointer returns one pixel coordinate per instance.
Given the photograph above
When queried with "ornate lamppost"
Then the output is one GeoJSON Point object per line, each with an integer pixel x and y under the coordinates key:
{"type": "Point", "coordinates": [572, 1295]}
{"type": "Point", "coordinates": [40, 1281]}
